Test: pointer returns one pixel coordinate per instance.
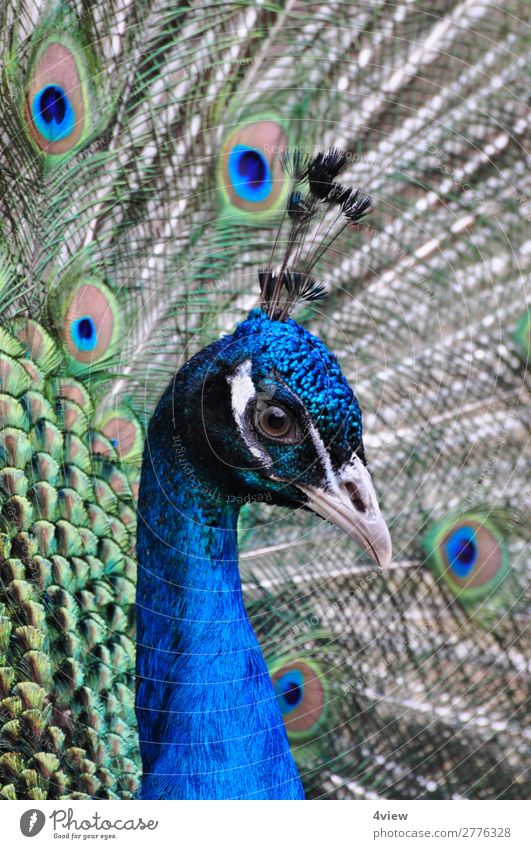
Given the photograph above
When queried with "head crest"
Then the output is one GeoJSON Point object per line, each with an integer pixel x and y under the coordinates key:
{"type": "Point", "coordinates": [314, 194]}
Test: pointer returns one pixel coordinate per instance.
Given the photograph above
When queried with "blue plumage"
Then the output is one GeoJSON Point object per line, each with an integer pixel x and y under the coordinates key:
{"type": "Point", "coordinates": [205, 701]}
{"type": "Point", "coordinates": [53, 113]}
{"type": "Point", "coordinates": [264, 411]}
{"type": "Point", "coordinates": [209, 718]}
{"type": "Point", "coordinates": [461, 551]}
{"type": "Point", "coordinates": [249, 173]}
{"type": "Point", "coordinates": [84, 333]}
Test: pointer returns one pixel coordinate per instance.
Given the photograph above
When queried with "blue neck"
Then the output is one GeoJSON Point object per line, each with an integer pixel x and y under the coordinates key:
{"type": "Point", "coordinates": [209, 723]}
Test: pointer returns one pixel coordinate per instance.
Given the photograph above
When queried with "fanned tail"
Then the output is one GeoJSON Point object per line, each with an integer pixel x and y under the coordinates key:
{"type": "Point", "coordinates": [141, 192]}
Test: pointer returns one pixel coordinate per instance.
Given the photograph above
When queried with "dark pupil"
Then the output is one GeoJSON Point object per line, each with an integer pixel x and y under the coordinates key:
{"type": "Point", "coordinates": [52, 105]}
{"type": "Point", "coordinates": [466, 552]}
{"type": "Point", "coordinates": [85, 328]}
{"type": "Point", "coordinates": [276, 421]}
{"type": "Point", "coordinates": [292, 693]}
{"type": "Point", "coordinates": [251, 166]}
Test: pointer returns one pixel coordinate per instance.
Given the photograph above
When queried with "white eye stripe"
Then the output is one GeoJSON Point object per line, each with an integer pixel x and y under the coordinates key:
{"type": "Point", "coordinates": [324, 456]}
{"type": "Point", "coordinates": [242, 392]}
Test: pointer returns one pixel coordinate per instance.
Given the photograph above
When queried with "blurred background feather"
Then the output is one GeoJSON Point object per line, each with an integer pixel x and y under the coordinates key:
{"type": "Point", "coordinates": [141, 189]}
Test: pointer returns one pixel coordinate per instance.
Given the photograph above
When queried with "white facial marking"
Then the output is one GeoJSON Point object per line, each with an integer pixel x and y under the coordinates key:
{"type": "Point", "coordinates": [324, 456]}
{"type": "Point", "coordinates": [242, 392]}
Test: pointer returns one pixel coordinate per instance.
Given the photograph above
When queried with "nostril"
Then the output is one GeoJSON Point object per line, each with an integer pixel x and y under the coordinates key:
{"type": "Point", "coordinates": [354, 495]}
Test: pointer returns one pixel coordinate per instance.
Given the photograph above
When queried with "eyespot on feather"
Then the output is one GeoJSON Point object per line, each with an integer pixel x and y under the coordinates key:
{"type": "Point", "coordinates": [56, 98]}
{"type": "Point", "coordinates": [251, 177]}
{"type": "Point", "coordinates": [72, 390]}
{"type": "Point", "coordinates": [301, 695]}
{"type": "Point", "coordinates": [124, 431]}
{"type": "Point", "coordinates": [87, 316]}
{"type": "Point", "coordinates": [469, 553]}
{"type": "Point", "coordinates": [124, 435]}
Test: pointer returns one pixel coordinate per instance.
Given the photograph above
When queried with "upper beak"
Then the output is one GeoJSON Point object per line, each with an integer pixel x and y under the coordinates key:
{"type": "Point", "coordinates": [349, 501]}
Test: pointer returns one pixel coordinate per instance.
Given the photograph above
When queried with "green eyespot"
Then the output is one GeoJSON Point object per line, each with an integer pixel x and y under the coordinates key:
{"type": "Point", "coordinates": [123, 430]}
{"type": "Point", "coordinates": [88, 319]}
{"type": "Point", "coordinates": [301, 693]}
{"type": "Point", "coordinates": [470, 554]}
{"type": "Point", "coordinates": [251, 179]}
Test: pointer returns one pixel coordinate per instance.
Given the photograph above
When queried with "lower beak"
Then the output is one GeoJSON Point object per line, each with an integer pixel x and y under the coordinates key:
{"type": "Point", "coordinates": [350, 503]}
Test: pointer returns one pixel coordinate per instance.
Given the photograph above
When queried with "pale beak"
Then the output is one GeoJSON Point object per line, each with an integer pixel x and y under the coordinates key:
{"type": "Point", "coordinates": [349, 502]}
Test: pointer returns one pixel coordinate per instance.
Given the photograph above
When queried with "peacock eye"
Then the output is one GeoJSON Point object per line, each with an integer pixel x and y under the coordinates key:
{"type": "Point", "coordinates": [470, 554]}
{"type": "Point", "coordinates": [84, 333]}
{"type": "Point", "coordinates": [88, 319]}
{"type": "Point", "coordinates": [300, 689]}
{"type": "Point", "coordinates": [58, 86]}
{"type": "Point", "coordinates": [52, 113]}
{"type": "Point", "coordinates": [249, 173]}
{"type": "Point", "coordinates": [276, 423]}
{"type": "Point", "coordinates": [251, 178]}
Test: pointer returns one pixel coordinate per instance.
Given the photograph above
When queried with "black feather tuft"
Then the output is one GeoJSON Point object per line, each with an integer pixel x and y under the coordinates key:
{"type": "Point", "coordinates": [267, 282]}
{"type": "Point", "coordinates": [298, 207]}
{"type": "Point", "coordinates": [295, 165]}
{"type": "Point", "coordinates": [338, 194]}
{"type": "Point", "coordinates": [281, 290]}
{"type": "Point", "coordinates": [323, 169]}
{"type": "Point", "coordinates": [297, 286]}
{"type": "Point", "coordinates": [310, 290]}
{"type": "Point", "coordinates": [356, 206]}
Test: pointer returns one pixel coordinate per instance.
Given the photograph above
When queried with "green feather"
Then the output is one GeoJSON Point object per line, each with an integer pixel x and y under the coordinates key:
{"type": "Point", "coordinates": [477, 568]}
{"type": "Point", "coordinates": [60, 61]}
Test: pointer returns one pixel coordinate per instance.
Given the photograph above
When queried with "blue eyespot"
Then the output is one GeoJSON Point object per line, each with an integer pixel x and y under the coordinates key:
{"type": "Point", "coordinates": [84, 334]}
{"type": "Point", "coordinates": [249, 173]}
{"type": "Point", "coordinates": [114, 442]}
{"type": "Point", "coordinates": [52, 113]}
{"type": "Point", "coordinates": [289, 690]}
{"type": "Point", "coordinates": [462, 551]}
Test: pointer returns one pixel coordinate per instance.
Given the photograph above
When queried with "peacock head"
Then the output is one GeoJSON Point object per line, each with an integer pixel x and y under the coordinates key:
{"type": "Point", "coordinates": [270, 416]}
{"type": "Point", "coordinates": [267, 411]}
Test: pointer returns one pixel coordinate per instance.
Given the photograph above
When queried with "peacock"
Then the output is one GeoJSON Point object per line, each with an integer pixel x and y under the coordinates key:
{"type": "Point", "coordinates": [157, 161]}
{"type": "Point", "coordinates": [263, 411]}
